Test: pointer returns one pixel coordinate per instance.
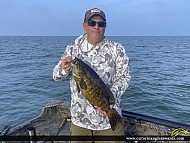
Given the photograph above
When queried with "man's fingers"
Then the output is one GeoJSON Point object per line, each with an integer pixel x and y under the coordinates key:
{"type": "Point", "coordinates": [101, 111]}
{"type": "Point", "coordinates": [68, 68]}
{"type": "Point", "coordinates": [65, 63]}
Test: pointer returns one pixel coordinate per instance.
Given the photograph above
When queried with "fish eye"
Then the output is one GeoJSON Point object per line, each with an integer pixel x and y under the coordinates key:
{"type": "Point", "coordinates": [74, 61]}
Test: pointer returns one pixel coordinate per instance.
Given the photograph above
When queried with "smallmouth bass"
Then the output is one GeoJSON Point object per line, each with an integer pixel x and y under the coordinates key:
{"type": "Point", "coordinates": [95, 90]}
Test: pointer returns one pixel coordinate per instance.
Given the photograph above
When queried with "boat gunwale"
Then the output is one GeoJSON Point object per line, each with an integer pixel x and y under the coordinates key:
{"type": "Point", "coordinates": [155, 120]}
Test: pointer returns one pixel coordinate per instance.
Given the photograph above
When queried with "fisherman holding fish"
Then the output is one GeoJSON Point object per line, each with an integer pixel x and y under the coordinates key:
{"type": "Point", "coordinates": [99, 74]}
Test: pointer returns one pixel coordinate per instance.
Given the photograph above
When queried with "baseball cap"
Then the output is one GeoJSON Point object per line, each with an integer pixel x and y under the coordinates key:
{"type": "Point", "coordinates": [92, 12]}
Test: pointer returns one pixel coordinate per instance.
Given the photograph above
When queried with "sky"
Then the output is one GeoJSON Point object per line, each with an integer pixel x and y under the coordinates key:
{"type": "Point", "coordinates": [124, 17]}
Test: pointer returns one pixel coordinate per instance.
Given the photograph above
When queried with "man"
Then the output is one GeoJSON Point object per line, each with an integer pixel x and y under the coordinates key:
{"type": "Point", "coordinates": [109, 60]}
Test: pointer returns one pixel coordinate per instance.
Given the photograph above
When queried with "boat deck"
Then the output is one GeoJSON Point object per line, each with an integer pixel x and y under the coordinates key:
{"type": "Point", "coordinates": [54, 120]}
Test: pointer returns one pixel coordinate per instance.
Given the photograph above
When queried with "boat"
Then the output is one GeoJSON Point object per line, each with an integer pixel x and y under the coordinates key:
{"type": "Point", "coordinates": [54, 121]}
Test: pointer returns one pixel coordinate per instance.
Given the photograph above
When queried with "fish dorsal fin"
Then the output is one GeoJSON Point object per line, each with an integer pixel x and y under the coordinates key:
{"type": "Point", "coordinates": [83, 84]}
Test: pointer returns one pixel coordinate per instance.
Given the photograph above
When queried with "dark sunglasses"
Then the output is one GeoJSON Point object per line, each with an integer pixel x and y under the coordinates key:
{"type": "Point", "coordinates": [93, 23]}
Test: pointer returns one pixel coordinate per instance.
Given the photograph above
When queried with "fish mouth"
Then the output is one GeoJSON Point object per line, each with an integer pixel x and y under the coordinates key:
{"type": "Point", "coordinates": [77, 69]}
{"type": "Point", "coordinates": [74, 68]}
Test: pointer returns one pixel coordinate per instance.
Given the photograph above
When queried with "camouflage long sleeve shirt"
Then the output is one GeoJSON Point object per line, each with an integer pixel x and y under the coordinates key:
{"type": "Point", "coordinates": [110, 62]}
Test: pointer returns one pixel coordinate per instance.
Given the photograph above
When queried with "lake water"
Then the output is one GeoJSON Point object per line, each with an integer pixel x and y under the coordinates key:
{"type": "Point", "coordinates": [159, 67]}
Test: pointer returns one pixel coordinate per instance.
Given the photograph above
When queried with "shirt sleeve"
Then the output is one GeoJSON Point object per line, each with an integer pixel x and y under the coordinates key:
{"type": "Point", "coordinates": [60, 74]}
{"type": "Point", "coordinates": [122, 78]}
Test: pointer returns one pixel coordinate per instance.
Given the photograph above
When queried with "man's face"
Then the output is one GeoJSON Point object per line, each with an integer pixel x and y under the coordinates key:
{"type": "Point", "coordinates": [95, 33]}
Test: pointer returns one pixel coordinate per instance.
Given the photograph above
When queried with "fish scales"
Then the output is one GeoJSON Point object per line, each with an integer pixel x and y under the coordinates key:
{"type": "Point", "coordinates": [95, 90]}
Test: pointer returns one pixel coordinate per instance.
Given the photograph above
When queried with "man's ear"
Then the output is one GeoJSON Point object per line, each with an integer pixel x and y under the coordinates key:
{"type": "Point", "coordinates": [84, 26]}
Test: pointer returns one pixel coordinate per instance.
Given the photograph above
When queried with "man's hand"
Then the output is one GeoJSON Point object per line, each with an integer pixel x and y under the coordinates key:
{"type": "Point", "coordinates": [101, 111]}
{"type": "Point", "coordinates": [65, 64]}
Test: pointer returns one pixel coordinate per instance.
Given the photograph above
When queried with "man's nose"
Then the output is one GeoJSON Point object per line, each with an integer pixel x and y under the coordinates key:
{"type": "Point", "coordinates": [96, 26]}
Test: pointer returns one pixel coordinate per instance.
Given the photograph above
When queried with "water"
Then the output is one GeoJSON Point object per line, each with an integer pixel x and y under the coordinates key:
{"type": "Point", "coordinates": [159, 68]}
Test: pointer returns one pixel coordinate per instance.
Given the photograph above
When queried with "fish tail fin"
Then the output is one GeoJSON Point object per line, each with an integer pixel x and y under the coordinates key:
{"type": "Point", "coordinates": [114, 118]}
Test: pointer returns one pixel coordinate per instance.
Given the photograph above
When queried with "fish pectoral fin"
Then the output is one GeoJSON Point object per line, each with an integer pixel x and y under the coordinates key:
{"type": "Point", "coordinates": [83, 84]}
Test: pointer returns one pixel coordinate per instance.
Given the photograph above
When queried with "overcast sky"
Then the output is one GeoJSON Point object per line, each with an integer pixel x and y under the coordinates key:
{"type": "Point", "coordinates": [124, 17]}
